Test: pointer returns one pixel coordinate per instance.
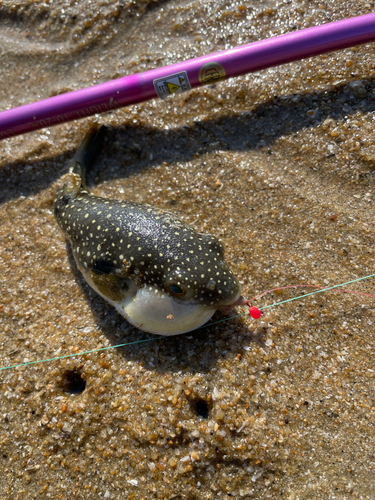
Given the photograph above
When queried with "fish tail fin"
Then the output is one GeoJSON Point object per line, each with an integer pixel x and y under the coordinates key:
{"type": "Point", "coordinates": [87, 151]}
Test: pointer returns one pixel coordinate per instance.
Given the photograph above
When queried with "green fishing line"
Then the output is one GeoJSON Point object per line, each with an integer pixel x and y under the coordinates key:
{"type": "Point", "coordinates": [78, 353]}
{"type": "Point", "coordinates": [205, 326]}
{"type": "Point", "coordinates": [317, 291]}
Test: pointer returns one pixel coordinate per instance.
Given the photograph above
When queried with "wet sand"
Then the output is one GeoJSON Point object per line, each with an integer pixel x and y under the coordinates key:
{"type": "Point", "coordinates": [280, 166]}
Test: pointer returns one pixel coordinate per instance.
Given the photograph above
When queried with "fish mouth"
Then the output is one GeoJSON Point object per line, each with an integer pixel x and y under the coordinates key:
{"type": "Point", "coordinates": [241, 301]}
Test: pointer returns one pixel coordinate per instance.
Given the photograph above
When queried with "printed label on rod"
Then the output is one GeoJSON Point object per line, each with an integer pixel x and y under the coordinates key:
{"type": "Point", "coordinates": [172, 84]}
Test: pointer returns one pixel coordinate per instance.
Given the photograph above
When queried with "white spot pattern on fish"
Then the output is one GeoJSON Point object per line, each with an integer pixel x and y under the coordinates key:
{"type": "Point", "coordinates": [147, 262]}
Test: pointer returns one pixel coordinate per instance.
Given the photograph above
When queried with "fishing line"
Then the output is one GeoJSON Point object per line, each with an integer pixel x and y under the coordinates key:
{"type": "Point", "coordinates": [78, 353]}
{"type": "Point", "coordinates": [319, 291]}
{"type": "Point", "coordinates": [210, 324]}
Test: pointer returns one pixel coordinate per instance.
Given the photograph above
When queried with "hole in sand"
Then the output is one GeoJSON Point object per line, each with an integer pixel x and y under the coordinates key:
{"type": "Point", "coordinates": [200, 407]}
{"type": "Point", "coordinates": [72, 382]}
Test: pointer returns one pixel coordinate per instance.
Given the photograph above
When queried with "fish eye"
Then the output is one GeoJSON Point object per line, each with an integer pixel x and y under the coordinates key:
{"type": "Point", "coordinates": [176, 290]}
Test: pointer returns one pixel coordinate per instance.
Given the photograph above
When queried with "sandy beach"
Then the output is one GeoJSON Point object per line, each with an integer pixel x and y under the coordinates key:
{"type": "Point", "coordinates": [280, 166]}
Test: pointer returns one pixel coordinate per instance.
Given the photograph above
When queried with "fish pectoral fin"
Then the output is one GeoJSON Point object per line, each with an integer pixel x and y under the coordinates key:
{"type": "Point", "coordinates": [111, 286]}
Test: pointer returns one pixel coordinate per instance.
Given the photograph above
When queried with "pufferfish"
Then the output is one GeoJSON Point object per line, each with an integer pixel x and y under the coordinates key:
{"type": "Point", "coordinates": [158, 272]}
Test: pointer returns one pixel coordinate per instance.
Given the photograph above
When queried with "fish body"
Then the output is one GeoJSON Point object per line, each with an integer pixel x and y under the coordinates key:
{"type": "Point", "coordinates": [158, 272]}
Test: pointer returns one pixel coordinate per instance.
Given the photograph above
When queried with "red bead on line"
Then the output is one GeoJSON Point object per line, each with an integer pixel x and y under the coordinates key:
{"type": "Point", "coordinates": [254, 312]}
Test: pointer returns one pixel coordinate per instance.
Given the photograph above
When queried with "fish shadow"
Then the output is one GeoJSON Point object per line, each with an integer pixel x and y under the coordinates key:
{"type": "Point", "coordinates": [128, 147]}
{"type": "Point", "coordinates": [193, 352]}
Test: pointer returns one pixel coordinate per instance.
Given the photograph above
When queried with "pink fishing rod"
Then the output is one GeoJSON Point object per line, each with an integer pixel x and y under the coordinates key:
{"type": "Point", "coordinates": [183, 76]}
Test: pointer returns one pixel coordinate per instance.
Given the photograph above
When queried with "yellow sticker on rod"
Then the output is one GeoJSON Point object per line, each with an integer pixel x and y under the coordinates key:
{"type": "Point", "coordinates": [172, 84]}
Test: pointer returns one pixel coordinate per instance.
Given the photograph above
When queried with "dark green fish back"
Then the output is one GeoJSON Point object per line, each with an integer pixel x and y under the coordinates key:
{"type": "Point", "coordinates": [147, 244]}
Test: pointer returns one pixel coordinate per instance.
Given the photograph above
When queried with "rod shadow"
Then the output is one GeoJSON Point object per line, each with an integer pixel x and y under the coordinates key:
{"type": "Point", "coordinates": [128, 147]}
